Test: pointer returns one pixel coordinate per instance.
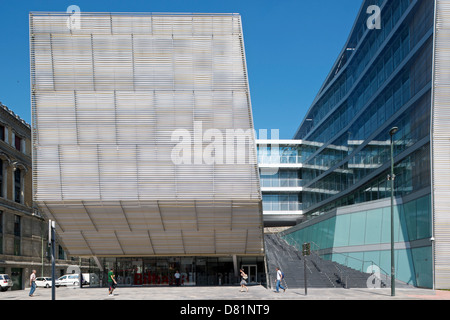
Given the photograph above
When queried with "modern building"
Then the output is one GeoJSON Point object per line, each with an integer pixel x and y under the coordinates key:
{"type": "Point", "coordinates": [143, 144]}
{"type": "Point", "coordinates": [281, 166]}
{"type": "Point", "coordinates": [281, 181]}
{"type": "Point", "coordinates": [392, 76]}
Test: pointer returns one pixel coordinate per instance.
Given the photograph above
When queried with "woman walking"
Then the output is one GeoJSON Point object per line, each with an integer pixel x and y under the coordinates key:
{"type": "Point", "coordinates": [243, 281]}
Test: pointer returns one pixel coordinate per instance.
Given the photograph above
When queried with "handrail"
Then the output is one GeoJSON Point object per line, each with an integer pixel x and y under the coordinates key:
{"type": "Point", "coordinates": [317, 248]}
{"type": "Point", "coordinates": [363, 262]}
{"type": "Point", "coordinates": [314, 252]}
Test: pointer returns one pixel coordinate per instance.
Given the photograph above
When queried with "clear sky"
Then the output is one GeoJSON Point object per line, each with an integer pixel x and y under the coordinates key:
{"type": "Point", "coordinates": [290, 45]}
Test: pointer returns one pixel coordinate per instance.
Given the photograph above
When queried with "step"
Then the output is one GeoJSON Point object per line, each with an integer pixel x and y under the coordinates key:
{"type": "Point", "coordinates": [320, 273]}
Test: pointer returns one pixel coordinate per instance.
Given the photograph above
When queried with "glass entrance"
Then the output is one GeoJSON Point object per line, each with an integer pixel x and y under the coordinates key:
{"type": "Point", "coordinates": [252, 271]}
{"type": "Point", "coordinates": [129, 271]}
{"type": "Point", "coordinates": [155, 271]}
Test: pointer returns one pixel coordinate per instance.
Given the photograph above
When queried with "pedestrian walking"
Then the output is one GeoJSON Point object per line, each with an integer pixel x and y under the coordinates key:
{"type": "Point", "coordinates": [280, 276]}
{"type": "Point", "coordinates": [243, 281]}
{"type": "Point", "coordinates": [111, 281]}
{"type": "Point", "coordinates": [177, 278]}
{"type": "Point", "coordinates": [32, 283]}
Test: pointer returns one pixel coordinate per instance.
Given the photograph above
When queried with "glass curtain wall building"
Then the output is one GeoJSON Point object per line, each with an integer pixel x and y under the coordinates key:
{"type": "Point", "coordinates": [280, 166]}
{"type": "Point", "coordinates": [384, 77]}
{"type": "Point", "coordinates": [143, 142]}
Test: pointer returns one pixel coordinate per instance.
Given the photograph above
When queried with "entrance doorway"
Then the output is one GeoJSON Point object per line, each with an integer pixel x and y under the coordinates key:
{"type": "Point", "coordinates": [154, 271]}
{"type": "Point", "coordinates": [16, 277]}
{"type": "Point", "coordinates": [252, 271]}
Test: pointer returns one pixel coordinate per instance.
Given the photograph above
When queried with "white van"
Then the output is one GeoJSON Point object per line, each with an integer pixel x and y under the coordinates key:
{"type": "Point", "coordinates": [68, 280]}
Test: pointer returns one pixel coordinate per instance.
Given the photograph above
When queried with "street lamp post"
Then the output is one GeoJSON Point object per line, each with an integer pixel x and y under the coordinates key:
{"type": "Point", "coordinates": [392, 132]}
{"type": "Point", "coordinates": [51, 242]}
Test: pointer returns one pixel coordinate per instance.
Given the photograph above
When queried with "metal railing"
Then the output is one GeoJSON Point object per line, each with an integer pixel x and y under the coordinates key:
{"type": "Point", "coordinates": [378, 277]}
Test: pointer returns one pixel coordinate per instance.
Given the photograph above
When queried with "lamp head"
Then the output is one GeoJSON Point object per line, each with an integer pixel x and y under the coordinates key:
{"type": "Point", "coordinates": [393, 131]}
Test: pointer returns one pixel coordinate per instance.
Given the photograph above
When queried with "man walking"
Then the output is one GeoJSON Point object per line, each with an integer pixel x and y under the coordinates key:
{"type": "Point", "coordinates": [111, 281]}
{"type": "Point", "coordinates": [32, 283]}
{"type": "Point", "coordinates": [280, 276]}
{"type": "Point", "coordinates": [177, 278]}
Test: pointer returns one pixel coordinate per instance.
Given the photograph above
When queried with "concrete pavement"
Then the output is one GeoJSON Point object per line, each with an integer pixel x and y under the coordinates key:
{"type": "Point", "coordinates": [224, 293]}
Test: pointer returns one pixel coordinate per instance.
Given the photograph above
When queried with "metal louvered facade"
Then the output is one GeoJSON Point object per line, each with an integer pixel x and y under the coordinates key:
{"type": "Point", "coordinates": [115, 103]}
{"type": "Point", "coordinates": [441, 144]}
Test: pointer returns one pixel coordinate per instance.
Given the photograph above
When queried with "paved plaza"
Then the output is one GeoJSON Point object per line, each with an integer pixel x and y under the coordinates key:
{"type": "Point", "coordinates": [225, 302]}
{"type": "Point", "coordinates": [225, 293]}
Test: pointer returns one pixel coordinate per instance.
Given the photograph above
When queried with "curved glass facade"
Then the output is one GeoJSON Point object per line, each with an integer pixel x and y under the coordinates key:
{"type": "Point", "coordinates": [361, 238]}
{"type": "Point", "coordinates": [394, 89]}
{"type": "Point", "coordinates": [382, 79]}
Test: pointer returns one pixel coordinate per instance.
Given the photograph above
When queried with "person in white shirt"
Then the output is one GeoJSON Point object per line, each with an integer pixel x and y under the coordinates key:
{"type": "Point", "coordinates": [32, 283]}
{"type": "Point", "coordinates": [279, 277]}
{"type": "Point", "coordinates": [177, 278]}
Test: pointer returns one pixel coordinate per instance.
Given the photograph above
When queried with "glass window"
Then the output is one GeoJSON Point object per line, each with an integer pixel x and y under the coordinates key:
{"type": "Point", "coordinates": [423, 217]}
{"type": "Point", "coordinates": [18, 185]}
{"type": "Point", "coordinates": [1, 179]}
{"type": "Point", "coordinates": [18, 143]}
{"type": "Point", "coordinates": [342, 230]}
{"type": "Point", "coordinates": [17, 225]}
{"type": "Point", "coordinates": [1, 232]}
{"type": "Point", "coordinates": [284, 202]}
{"type": "Point", "coordinates": [17, 235]}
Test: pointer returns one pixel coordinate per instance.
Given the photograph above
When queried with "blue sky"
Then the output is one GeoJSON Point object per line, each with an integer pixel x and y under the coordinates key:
{"type": "Point", "coordinates": [290, 45]}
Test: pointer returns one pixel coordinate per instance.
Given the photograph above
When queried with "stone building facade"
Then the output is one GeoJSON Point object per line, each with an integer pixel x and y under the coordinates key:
{"type": "Point", "coordinates": [23, 231]}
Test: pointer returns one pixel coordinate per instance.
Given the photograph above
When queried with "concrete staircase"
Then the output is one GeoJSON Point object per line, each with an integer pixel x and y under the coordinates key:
{"type": "Point", "coordinates": [320, 273]}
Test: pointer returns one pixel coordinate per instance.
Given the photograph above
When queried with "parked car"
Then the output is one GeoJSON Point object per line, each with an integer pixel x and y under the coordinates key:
{"type": "Point", "coordinates": [45, 282]}
{"type": "Point", "coordinates": [68, 280]}
{"type": "Point", "coordinates": [5, 282]}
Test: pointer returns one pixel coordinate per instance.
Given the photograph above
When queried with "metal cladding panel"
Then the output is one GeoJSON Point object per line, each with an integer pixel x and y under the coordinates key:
{"type": "Point", "coordinates": [441, 144]}
{"type": "Point", "coordinates": [143, 138]}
